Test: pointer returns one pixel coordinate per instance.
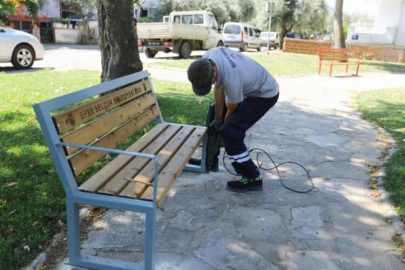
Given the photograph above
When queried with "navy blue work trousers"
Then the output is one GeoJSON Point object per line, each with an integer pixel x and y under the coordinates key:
{"type": "Point", "coordinates": [233, 132]}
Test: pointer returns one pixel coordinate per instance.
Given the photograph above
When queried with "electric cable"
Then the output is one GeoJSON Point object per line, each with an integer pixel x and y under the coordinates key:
{"type": "Point", "coordinates": [260, 167]}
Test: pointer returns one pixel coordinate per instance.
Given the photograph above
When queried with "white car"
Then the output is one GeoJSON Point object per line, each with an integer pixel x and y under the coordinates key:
{"type": "Point", "coordinates": [274, 39]}
{"type": "Point", "coordinates": [242, 35]}
{"type": "Point", "coordinates": [19, 48]}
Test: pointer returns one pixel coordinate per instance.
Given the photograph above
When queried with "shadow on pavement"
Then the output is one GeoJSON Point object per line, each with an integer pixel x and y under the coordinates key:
{"type": "Point", "coordinates": [50, 47]}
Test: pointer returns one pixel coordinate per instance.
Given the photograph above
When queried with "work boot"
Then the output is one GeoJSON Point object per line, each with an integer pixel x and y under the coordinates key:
{"type": "Point", "coordinates": [245, 185]}
{"type": "Point", "coordinates": [213, 168]}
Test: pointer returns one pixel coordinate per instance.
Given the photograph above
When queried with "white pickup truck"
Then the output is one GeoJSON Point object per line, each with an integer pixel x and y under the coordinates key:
{"type": "Point", "coordinates": [182, 32]}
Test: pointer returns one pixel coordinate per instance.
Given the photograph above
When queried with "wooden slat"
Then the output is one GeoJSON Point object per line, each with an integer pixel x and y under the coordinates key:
{"type": "Point", "coordinates": [334, 55]}
{"type": "Point", "coordinates": [88, 111]}
{"type": "Point", "coordinates": [86, 158]}
{"type": "Point", "coordinates": [118, 182]}
{"type": "Point", "coordinates": [134, 189]}
{"type": "Point", "coordinates": [95, 182]}
{"type": "Point", "coordinates": [175, 167]}
{"type": "Point", "coordinates": [99, 127]}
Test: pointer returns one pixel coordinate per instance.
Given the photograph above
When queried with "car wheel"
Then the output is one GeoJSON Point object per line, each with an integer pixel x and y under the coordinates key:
{"type": "Point", "coordinates": [23, 57]}
{"type": "Point", "coordinates": [185, 50]}
{"type": "Point", "coordinates": [244, 48]}
{"type": "Point", "coordinates": [149, 53]}
{"type": "Point", "coordinates": [259, 49]}
{"type": "Point", "coordinates": [220, 43]}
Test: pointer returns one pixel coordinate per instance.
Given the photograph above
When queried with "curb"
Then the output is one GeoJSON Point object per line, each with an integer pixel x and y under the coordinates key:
{"type": "Point", "coordinates": [41, 258]}
{"type": "Point", "coordinates": [385, 201]}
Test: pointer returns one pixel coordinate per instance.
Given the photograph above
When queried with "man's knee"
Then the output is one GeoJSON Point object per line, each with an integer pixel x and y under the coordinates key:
{"type": "Point", "coordinates": [229, 134]}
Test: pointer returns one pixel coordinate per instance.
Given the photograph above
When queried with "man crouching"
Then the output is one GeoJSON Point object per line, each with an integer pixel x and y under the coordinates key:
{"type": "Point", "coordinates": [244, 91]}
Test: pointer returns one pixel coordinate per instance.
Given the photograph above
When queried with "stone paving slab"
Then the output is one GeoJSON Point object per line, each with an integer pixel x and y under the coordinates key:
{"type": "Point", "coordinates": [337, 226]}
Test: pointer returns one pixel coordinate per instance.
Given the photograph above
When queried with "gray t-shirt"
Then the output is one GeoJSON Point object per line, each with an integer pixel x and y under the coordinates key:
{"type": "Point", "coordinates": [240, 76]}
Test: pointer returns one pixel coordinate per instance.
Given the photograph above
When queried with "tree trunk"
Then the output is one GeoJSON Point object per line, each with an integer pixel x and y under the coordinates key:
{"type": "Point", "coordinates": [284, 31]}
{"type": "Point", "coordinates": [339, 39]}
{"type": "Point", "coordinates": [119, 43]}
{"type": "Point", "coordinates": [283, 34]}
{"type": "Point", "coordinates": [85, 30]}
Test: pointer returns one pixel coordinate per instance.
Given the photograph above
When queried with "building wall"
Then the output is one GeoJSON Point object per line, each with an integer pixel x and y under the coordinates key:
{"type": "Point", "coordinates": [388, 27]}
{"type": "Point", "coordinates": [389, 13]}
{"type": "Point", "coordinates": [67, 36]}
{"type": "Point", "coordinates": [368, 51]}
{"type": "Point", "coordinates": [400, 37]}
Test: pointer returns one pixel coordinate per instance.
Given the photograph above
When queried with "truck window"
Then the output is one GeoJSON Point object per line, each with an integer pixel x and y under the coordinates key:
{"type": "Point", "coordinates": [198, 19]}
{"type": "Point", "coordinates": [177, 19]}
{"type": "Point", "coordinates": [246, 31]}
{"type": "Point", "coordinates": [188, 19]}
{"type": "Point", "coordinates": [232, 29]}
{"type": "Point", "coordinates": [212, 22]}
{"type": "Point", "coordinates": [250, 32]}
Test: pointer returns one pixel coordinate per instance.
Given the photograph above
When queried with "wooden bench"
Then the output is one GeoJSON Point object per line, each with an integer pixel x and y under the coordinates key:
{"type": "Point", "coordinates": [332, 57]}
{"type": "Point", "coordinates": [80, 128]}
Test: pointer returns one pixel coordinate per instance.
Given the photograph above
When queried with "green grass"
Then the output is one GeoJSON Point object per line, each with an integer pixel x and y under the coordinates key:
{"type": "Point", "coordinates": [31, 195]}
{"type": "Point", "coordinates": [387, 109]}
{"type": "Point", "coordinates": [290, 64]}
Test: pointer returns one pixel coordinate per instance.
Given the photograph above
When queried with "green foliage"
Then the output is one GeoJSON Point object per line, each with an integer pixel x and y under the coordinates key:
{"type": "Point", "coordinates": [307, 17]}
{"type": "Point", "coordinates": [345, 31]}
{"type": "Point", "coordinates": [247, 10]}
{"type": "Point", "coordinates": [10, 7]}
{"type": "Point", "coordinates": [80, 6]}
{"type": "Point", "coordinates": [314, 19]}
{"type": "Point", "coordinates": [6, 8]}
{"type": "Point", "coordinates": [32, 7]}
{"type": "Point", "coordinates": [386, 108]}
{"type": "Point", "coordinates": [145, 20]}
{"type": "Point", "coordinates": [227, 10]}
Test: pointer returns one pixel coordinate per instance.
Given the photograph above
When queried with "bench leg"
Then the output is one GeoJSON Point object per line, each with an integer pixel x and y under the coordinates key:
{"type": "Point", "coordinates": [320, 68]}
{"type": "Point", "coordinates": [203, 167]}
{"type": "Point", "coordinates": [347, 69]}
{"type": "Point", "coordinates": [357, 70]}
{"type": "Point", "coordinates": [330, 70]}
{"type": "Point", "coordinates": [150, 239]}
{"type": "Point", "coordinates": [73, 226]}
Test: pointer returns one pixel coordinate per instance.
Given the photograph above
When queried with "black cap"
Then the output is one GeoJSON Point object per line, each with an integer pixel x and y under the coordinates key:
{"type": "Point", "coordinates": [200, 75]}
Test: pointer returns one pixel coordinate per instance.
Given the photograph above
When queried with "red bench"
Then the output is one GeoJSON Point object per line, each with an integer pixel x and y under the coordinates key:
{"type": "Point", "coordinates": [332, 57]}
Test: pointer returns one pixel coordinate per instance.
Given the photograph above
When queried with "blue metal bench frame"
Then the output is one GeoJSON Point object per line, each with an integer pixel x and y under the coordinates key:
{"type": "Point", "coordinates": [75, 197]}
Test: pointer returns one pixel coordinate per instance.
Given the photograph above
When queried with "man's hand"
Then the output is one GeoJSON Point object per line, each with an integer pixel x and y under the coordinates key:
{"type": "Point", "coordinates": [216, 124]}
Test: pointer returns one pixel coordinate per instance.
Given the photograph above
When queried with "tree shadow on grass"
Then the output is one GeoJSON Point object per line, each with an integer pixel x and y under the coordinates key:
{"type": "Point", "coordinates": [394, 68]}
{"type": "Point", "coordinates": [192, 57]}
{"type": "Point", "coordinates": [12, 70]}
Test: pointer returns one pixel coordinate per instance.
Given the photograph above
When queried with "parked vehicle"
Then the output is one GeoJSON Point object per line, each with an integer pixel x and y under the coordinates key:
{"type": "Point", "coordinates": [183, 32]}
{"type": "Point", "coordinates": [242, 35]}
{"type": "Point", "coordinates": [19, 48]}
{"type": "Point", "coordinates": [274, 39]}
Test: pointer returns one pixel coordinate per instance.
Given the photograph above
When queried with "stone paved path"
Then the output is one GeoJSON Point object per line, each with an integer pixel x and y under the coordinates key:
{"type": "Point", "coordinates": [339, 226]}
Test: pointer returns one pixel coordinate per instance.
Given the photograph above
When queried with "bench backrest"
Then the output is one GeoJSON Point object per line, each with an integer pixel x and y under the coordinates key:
{"type": "Point", "coordinates": [105, 115]}
{"type": "Point", "coordinates": [331, 54]}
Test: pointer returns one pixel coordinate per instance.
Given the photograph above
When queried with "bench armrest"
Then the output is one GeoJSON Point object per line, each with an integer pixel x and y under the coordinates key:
{"type": "Point", "coordinates": [120, 152]}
